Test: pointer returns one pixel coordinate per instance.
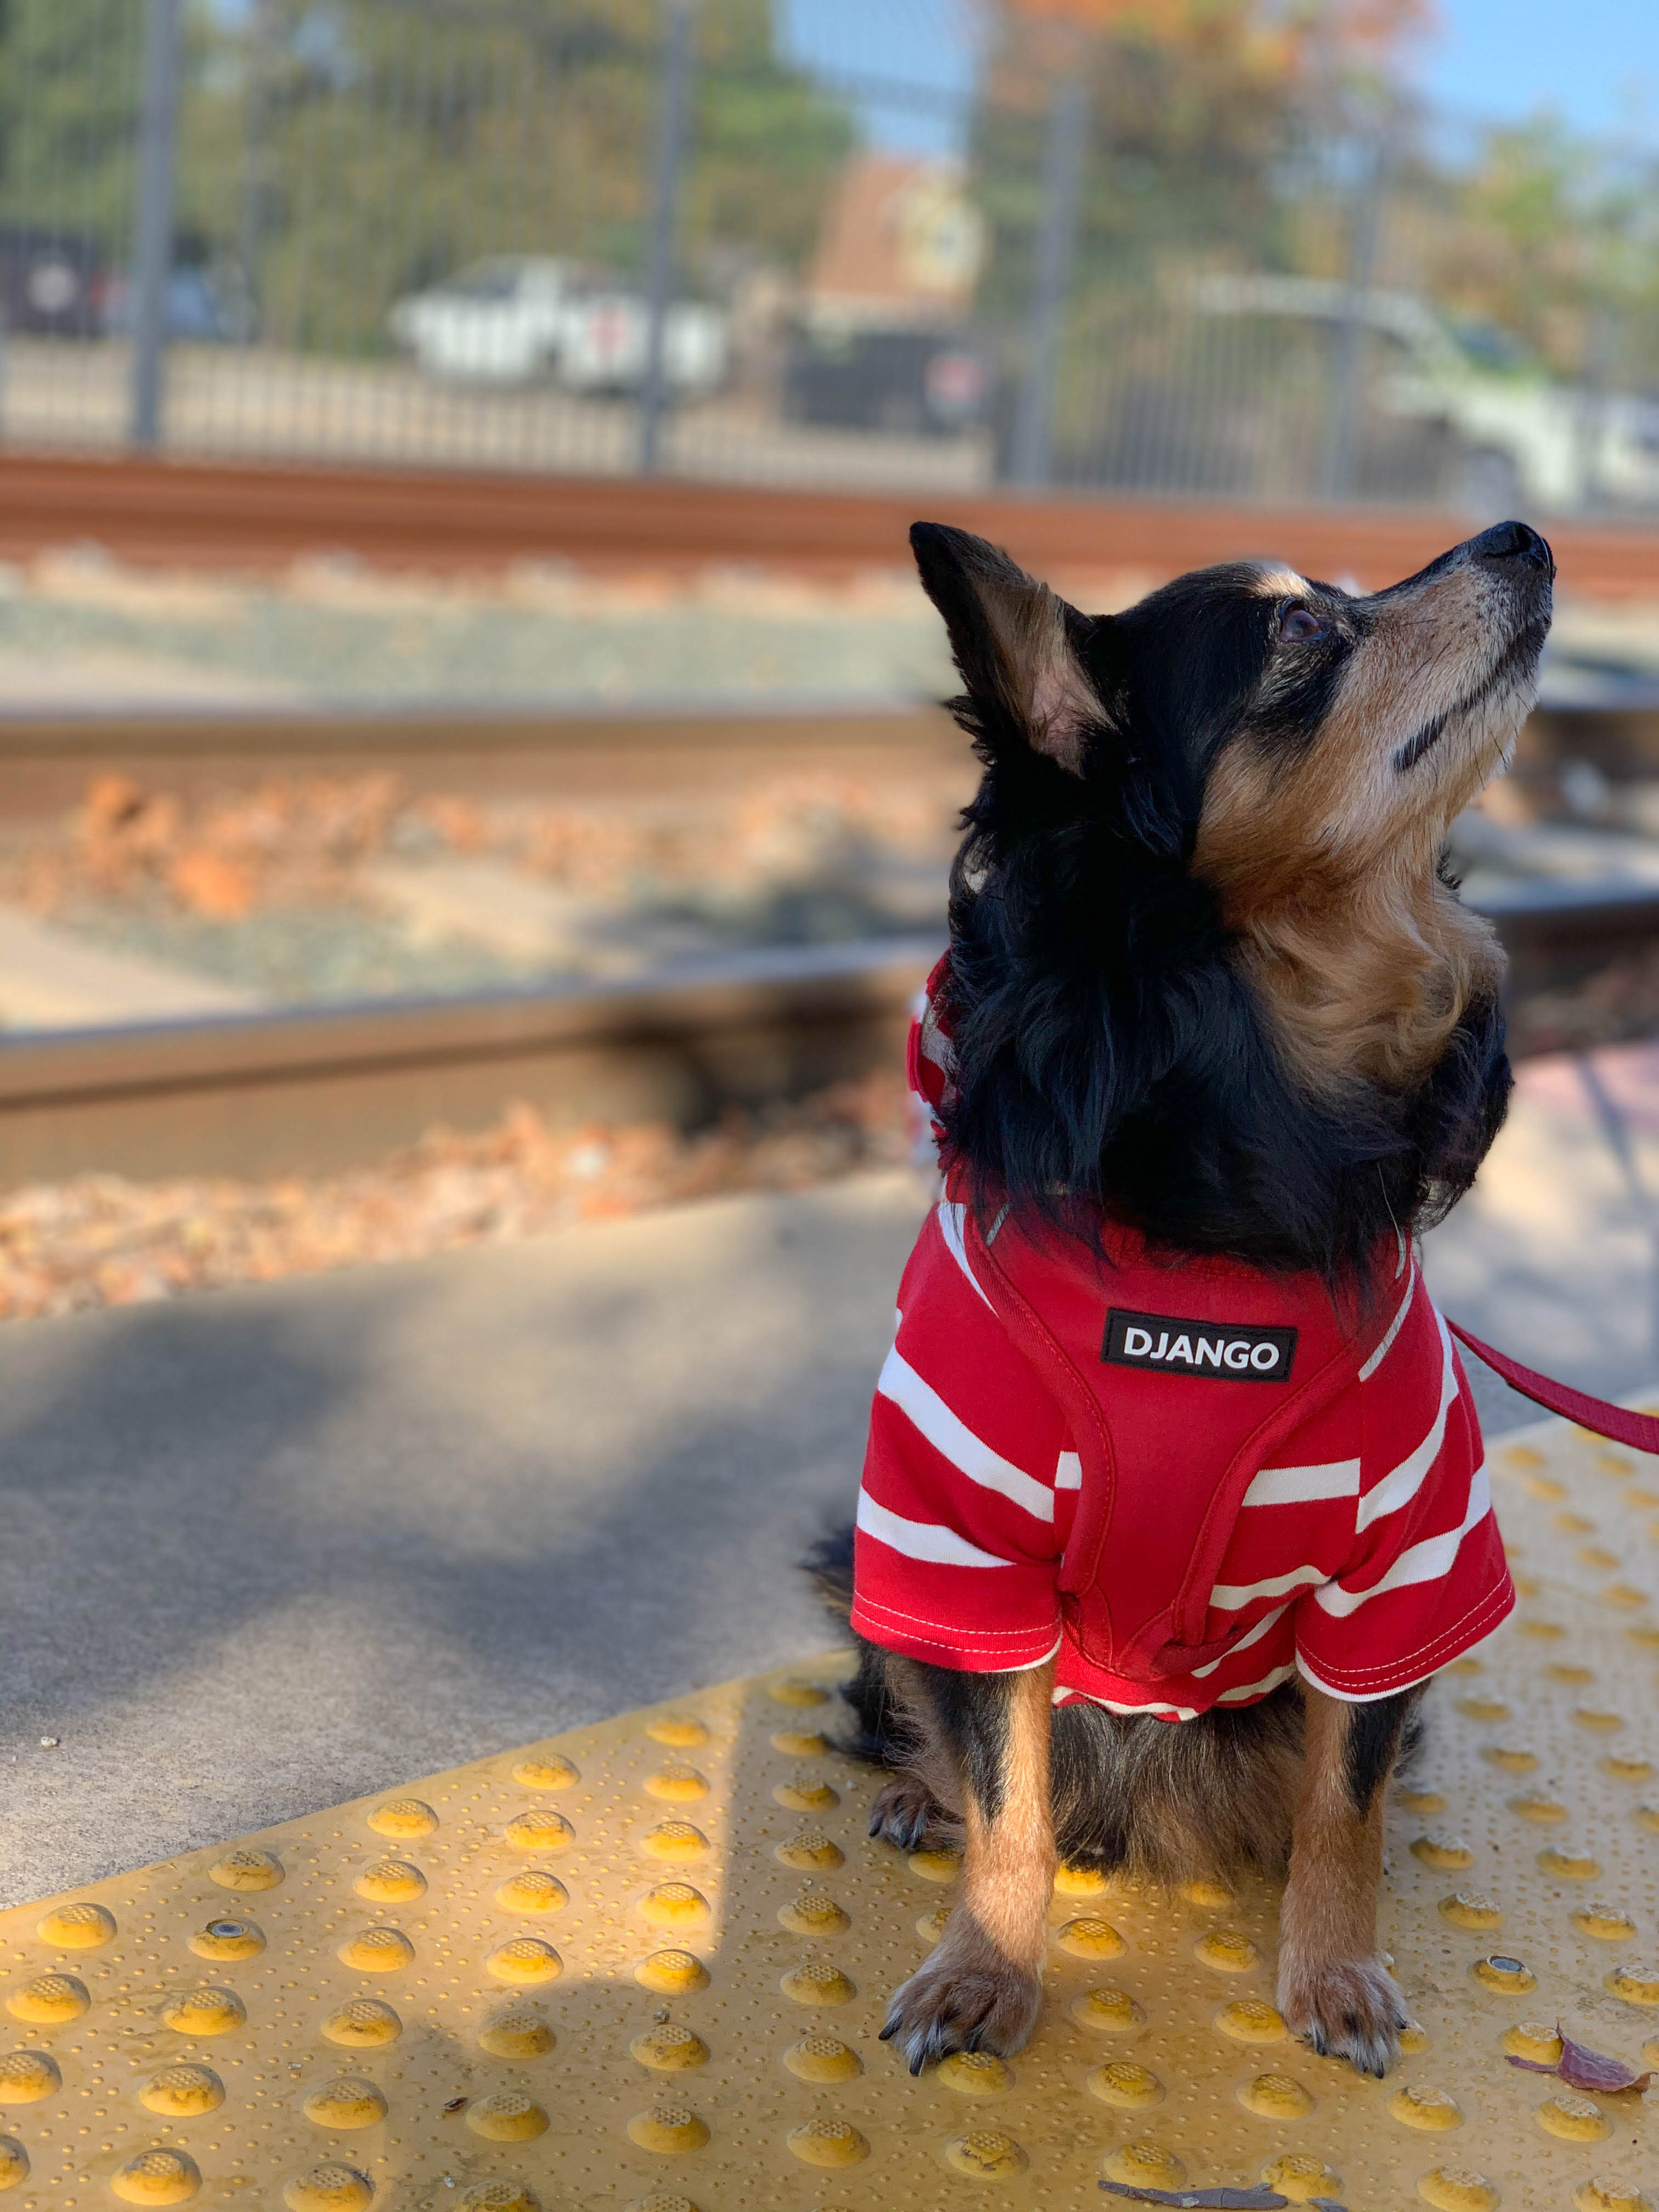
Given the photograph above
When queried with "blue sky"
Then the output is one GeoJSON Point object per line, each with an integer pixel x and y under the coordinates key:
{"type": "Point", "coordinates": [1595, 62]}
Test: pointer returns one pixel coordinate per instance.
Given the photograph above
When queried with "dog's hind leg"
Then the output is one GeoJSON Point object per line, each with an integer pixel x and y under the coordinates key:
{"type": "Point", "coordinates": [982, 1987]}
{"type": "Point", "coordinates": [1333, 1988]}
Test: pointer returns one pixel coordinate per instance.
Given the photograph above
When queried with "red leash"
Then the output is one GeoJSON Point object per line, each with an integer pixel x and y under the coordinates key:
{"type": "Point", "coordinates": [1639, 1431]}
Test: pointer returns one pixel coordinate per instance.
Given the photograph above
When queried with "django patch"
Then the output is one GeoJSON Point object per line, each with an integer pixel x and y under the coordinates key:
{"type": "Point", "coordinates": [1231, 1351]}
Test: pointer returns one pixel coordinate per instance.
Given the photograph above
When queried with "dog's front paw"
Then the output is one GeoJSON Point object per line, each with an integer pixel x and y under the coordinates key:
{"type": "Point", "coordinates": [1347, 2009]}
{"type": "Point", "coordinates": [967, 1996]}
{"type": "Point", "coordinates": [904, 1812]}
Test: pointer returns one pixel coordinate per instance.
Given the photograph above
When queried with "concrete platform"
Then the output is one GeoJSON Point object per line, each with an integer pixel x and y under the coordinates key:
{"type": "Point", "coordinates": [646, 1963]}
{"type": "Point", "coordinates": [269, 1550]}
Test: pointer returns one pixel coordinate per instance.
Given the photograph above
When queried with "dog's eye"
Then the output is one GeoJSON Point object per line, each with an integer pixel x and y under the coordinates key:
{"type": "Point", "coordinates": [1298, 625]}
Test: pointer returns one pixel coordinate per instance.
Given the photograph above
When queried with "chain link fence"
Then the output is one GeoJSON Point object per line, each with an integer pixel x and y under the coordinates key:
{"type": "Point", "coordinates": [828, 243]}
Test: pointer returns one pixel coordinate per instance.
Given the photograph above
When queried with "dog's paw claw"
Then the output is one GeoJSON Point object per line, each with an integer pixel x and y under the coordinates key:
{"type": "Point", "coordinates": [903, 1812]}
{"type": "Point", "coordinates": [946, 2008]}
{"type": "Point", "coordinates": [1347, 2009]}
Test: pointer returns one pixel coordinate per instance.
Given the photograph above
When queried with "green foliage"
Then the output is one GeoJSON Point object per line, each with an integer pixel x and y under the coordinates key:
{"type": "Point", "coordinates": [346, 150]}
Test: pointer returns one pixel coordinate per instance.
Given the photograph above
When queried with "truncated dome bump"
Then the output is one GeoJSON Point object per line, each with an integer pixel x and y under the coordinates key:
{"type": "Point", "coordinates": [331, 2187]}
{"type": "Point", "coordinates": [1605, 2194]}
{"type": "Point", "coordinates": [1575, 2119]}
{"type": "Point", "coordinates": [1144, 2165]}
{"type": "Point", "coordinates": [1532, 2041]}
{"type": "Point", "coordinates": [1081, 1881]}
{"type": "Point", "coordinates": [183, 2091]}
{"type": "Point", "coordinates": [672, 1972]}
{"type": "Point", "coordinates": [545, 1771]}
{"type": "Point", "coordinates": [986, 2154]}
{"type": "Point", "coordinates": [28, 2076]}
{"type": "Point", "coordinates": [828, 2142]}
{"type": "Point", "coordinates": [247, 1869]}
{"type": "Point", "coordinates": [390, 1882]}
{"type": "Point", "coordinates": [814, 1912]}
{"type": "Point", "coordinates": [76, 1927]}
{"type": "Point", "coordinates": [675, 1904]}
{"type": "Point", "coordinates": [682, 1731]}
{"type": "Point", "coordinates": [516, 2031]}
{"type": "Point", "coordinates": [532, 1891]}
{"type": "Point", "coordinates": [540, 1829]}
{"type": "Point", "coordinates": [377, 1950]}
{"type": "Point", "coordinates": [1249, 2020]}
{"type": "Point", "coordinates": [349, 2101]}
{"type": "Point", "coordinates": [674, 1840]}
{"type": "Point", "coordinates": [525, 1959]}
{"type": "Point", "coordinates": [403, 1816]}
{"type": "Point", "coordinates": [1110, 2008]}
{"type": "Point", "coordinates": [49, 1998]}
{"type": "Point", "coordinates": [670, 2129]}
{"type": "Point", "coordinates": [506, 2116]}
{"type": "Point", "coordinates": [974, 2073]}
{"type": "Point", "coordinates": [204, 2012]}
{"type": "Point", "coordinates": [670, 2050]}
{"type": "Point", "coordinates": [227, 1938]}
{"type": "Point", "coordinates": [1507, 1976]}
{"type": "Point", "coordinates": [1126, 2085]}
{"type": "Point", "coordinates": [1304, 2180]}
{"type": "Point", "coordinates": [1090, 1938]}
{"type": "Point", "coordinates": [498, 2196]}
{"type": "Point", "coordinates": [823, 2058]}
{"type": "Point", "coordinates": [817, 1982]}
{"type": "Point", "coordinates": [1458, 2189]}
{"type": "Point", "coordinates": [157, 2176]}
{"type": "Point", "coordinates": [14, 2163]}
{"type": "Point", "coordinates": [365, 2024]}
{"type": "Point", "coordinates": [1276, 2097]}
{"type": "Point", "coordinates": [1420, 2105]}
{"type": "Point", "coordinates": [676, 1784]}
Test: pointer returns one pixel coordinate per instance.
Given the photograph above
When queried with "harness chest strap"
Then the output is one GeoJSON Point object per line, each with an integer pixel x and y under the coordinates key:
{"type": "Point", "coordinates": [1177, 1528]}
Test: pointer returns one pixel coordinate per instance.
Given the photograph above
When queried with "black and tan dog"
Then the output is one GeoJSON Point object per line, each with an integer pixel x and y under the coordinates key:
{"type": "Point", "coordinates": [1209, 990]}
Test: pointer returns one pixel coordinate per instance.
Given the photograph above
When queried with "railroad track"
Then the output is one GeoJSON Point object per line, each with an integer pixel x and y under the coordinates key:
{"type": "Point", "coordinates": [315, 1089]}
{"type": "Point", "coordinates": [47, 760]}
{"type": "Point", "coordinates": [213, 514]}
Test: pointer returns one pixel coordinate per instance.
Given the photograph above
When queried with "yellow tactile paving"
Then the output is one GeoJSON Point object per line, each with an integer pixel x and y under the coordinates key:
{"type": "Point", "coordinates": [644, 1966]}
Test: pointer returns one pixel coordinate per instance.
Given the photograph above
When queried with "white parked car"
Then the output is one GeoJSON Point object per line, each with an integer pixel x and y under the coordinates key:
{"type": "Point", "coordinates": [1522, 439]}
{"type": "Point", "coordinates": [497, 321]}
{"type": "Point", "coordinates": [608, 335]}
{"type": "Point", "coordinates": [513, 317]}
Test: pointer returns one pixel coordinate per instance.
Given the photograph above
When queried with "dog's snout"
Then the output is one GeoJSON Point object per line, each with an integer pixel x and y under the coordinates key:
{"type": "Point", "coordinates": [1514, 541]}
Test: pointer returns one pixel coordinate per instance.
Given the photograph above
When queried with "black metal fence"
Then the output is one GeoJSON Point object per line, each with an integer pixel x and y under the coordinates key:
{"type": "Point", "coordinates": [827, 242]}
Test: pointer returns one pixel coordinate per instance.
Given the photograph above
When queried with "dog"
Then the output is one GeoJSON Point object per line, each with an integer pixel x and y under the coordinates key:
{"type": "Point", "coordinates": [1174, 1498]}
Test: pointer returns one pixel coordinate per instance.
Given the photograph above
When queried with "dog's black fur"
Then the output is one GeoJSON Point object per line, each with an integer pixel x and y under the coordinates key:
{"type": "Point", "coordinates": [1110, 1059]}
{"type": "Point", "coordinates": [1116, 1061]}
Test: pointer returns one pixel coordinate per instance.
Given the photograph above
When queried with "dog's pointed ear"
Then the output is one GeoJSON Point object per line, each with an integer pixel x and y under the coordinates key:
{"type": "Point", "coordinates": [1015, 641]}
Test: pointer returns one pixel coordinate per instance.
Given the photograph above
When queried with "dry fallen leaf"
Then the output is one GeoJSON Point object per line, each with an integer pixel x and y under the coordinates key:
{"type": "Point", "coordinates": [1581, 2067]}
{"type": "Point", "coordinates": [1232, 2200]}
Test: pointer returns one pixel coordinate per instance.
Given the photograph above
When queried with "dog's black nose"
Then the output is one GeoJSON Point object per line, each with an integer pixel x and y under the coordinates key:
{"type": "Point", "coordinates": [1514, 541]}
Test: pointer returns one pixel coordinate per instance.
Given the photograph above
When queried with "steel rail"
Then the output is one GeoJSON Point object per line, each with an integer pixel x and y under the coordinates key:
{"type": "Point", "coordinates": [473, 750]}
{"type": "Point", "coordinates": [318, 1089]}
{"type": "Point", "coordinates": [46, 759]}
{"type": "Point", "coordinates": [315, 1089]}
{"type": "Point", "coordinates": [259, 516]}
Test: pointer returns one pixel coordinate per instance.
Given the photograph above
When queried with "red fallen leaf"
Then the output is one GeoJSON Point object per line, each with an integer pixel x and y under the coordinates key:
{"type": "Point", "coordinates": [1232, 2200]}
{"type": "Point", "coordinates": [1581, 2067]}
